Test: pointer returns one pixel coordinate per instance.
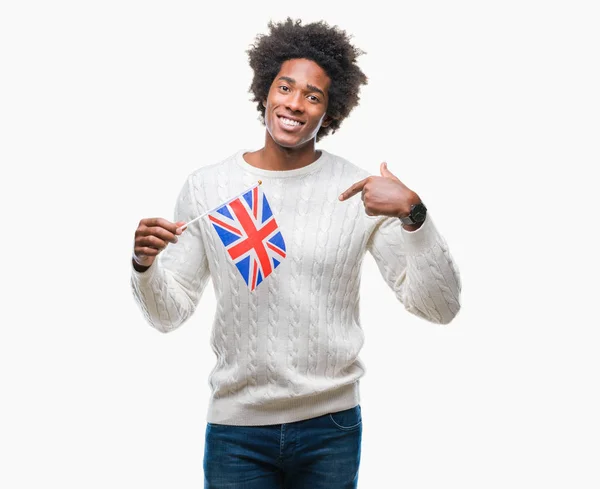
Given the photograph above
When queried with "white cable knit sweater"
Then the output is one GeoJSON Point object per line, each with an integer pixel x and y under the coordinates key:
{"type": "Point", "coordinates": [289, 350]}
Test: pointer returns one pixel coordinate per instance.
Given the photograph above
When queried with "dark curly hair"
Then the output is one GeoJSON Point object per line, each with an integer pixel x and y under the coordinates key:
{"type": "Point", "coordinates": [327, 46]}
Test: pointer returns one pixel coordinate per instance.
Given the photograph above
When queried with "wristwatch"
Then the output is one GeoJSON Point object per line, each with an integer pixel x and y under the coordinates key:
{"type": "Point", "coordinates": [416, 215]}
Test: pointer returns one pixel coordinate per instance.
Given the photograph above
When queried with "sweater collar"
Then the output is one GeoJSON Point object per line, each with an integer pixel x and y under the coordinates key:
{"type": "Point", "coordinates": [305, 170]}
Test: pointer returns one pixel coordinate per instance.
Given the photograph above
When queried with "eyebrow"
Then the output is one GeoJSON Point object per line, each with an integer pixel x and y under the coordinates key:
{"type": "Point", "coordinates": [312, 88]}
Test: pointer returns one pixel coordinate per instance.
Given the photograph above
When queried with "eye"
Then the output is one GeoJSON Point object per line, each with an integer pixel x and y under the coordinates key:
{"type": "Point", "coordinates": [313, 98]}
{"type": "Point", "coordinates": [284, 88]}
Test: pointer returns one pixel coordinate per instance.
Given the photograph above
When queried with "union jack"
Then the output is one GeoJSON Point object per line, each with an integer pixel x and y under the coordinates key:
{"type": "Point", "coordinates": [250, 234]}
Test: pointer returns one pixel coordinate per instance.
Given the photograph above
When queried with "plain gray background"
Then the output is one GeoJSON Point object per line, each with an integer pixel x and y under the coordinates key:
{"type": "Point", "coordinates": [489, 110]}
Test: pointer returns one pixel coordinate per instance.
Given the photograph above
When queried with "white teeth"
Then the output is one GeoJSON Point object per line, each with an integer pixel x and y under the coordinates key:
{"type": "Point", "coordinates": [289, 122]}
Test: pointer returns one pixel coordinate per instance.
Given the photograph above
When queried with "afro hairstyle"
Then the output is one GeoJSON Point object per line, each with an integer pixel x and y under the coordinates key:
{"type": "Point", "coordinates": [327, 46]}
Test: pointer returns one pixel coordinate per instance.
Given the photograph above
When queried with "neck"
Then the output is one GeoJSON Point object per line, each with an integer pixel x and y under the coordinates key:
{"type": "Point", "coordinates": [278, 158]}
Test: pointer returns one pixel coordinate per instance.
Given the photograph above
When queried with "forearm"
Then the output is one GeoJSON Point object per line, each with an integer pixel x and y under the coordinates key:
{"type": "Point", "coordinates": [165, 302]}
{"type": "Point", "coordinates": [432, 288]}
{"type": "Point", "coordinates": [169, 290]}
{"type": "Point", "coordinates": [420, 270]}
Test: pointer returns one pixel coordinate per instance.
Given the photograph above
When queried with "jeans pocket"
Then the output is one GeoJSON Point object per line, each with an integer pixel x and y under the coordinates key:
{"type": "Point", "coordinates": [347, 420]}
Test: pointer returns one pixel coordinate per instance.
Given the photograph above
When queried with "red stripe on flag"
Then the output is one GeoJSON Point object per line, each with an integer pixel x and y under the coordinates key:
{"type": "Point", "coordinates": [276, 250]}
{"type": "Point", "coordinates": [255, 237]}
{"type": "Point", "coordinates": [226, 226]}
{"type": "Point", "coordinates": [254, 275]}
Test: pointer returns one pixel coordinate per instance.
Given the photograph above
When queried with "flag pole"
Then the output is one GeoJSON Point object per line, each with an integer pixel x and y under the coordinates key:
{"type": "Point", "coordinates": [184, 227]}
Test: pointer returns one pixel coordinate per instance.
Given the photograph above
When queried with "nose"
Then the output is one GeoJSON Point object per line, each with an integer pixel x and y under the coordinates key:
{"type": "Point", "coordinates": [295, 102]}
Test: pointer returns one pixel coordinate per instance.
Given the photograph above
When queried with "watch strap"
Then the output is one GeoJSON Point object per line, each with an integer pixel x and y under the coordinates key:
{"type": "Point", "coordinates": [407, 220]}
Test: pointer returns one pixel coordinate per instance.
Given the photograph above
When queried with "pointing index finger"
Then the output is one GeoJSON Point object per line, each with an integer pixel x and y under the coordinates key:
{"type": "Point", "coordinates": [353, 190]}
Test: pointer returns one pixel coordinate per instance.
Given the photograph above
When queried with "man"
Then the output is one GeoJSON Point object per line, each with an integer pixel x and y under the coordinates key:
{"type": "Point", "coordinates": [284, 410]}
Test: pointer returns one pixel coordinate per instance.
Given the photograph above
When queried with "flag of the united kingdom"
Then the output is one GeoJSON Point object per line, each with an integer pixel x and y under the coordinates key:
{"type": "Point", "coordinates": [250, 234]}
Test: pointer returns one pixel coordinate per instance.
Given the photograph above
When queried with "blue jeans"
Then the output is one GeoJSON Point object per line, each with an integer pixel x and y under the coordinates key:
{"type": "Point", "coordinates": [317, 453]}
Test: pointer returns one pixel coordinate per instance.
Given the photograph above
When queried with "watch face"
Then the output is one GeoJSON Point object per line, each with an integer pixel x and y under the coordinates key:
{"type": "Point", "coordinates": [418, 212]}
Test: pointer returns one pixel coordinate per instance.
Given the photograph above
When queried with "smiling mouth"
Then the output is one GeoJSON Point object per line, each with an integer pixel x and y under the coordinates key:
{"type": "Point", "coordinates": [289, 122]}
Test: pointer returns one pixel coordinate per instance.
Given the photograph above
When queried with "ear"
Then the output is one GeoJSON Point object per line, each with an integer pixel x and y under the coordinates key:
{"type": "Point", "coordinates": [328, 120]}
{"type": "Point", "coordinates": [264, 102]}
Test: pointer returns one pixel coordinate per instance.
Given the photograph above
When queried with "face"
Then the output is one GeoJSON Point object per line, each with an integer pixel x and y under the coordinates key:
{"type": "Point", "coordinates": [296, 105]}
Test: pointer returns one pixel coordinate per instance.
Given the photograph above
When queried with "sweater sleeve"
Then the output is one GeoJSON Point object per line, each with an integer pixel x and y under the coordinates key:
{"type": "Point", "coordinates": [169, 291]}
{"type": "Point", "coordinates": [418, 268]}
